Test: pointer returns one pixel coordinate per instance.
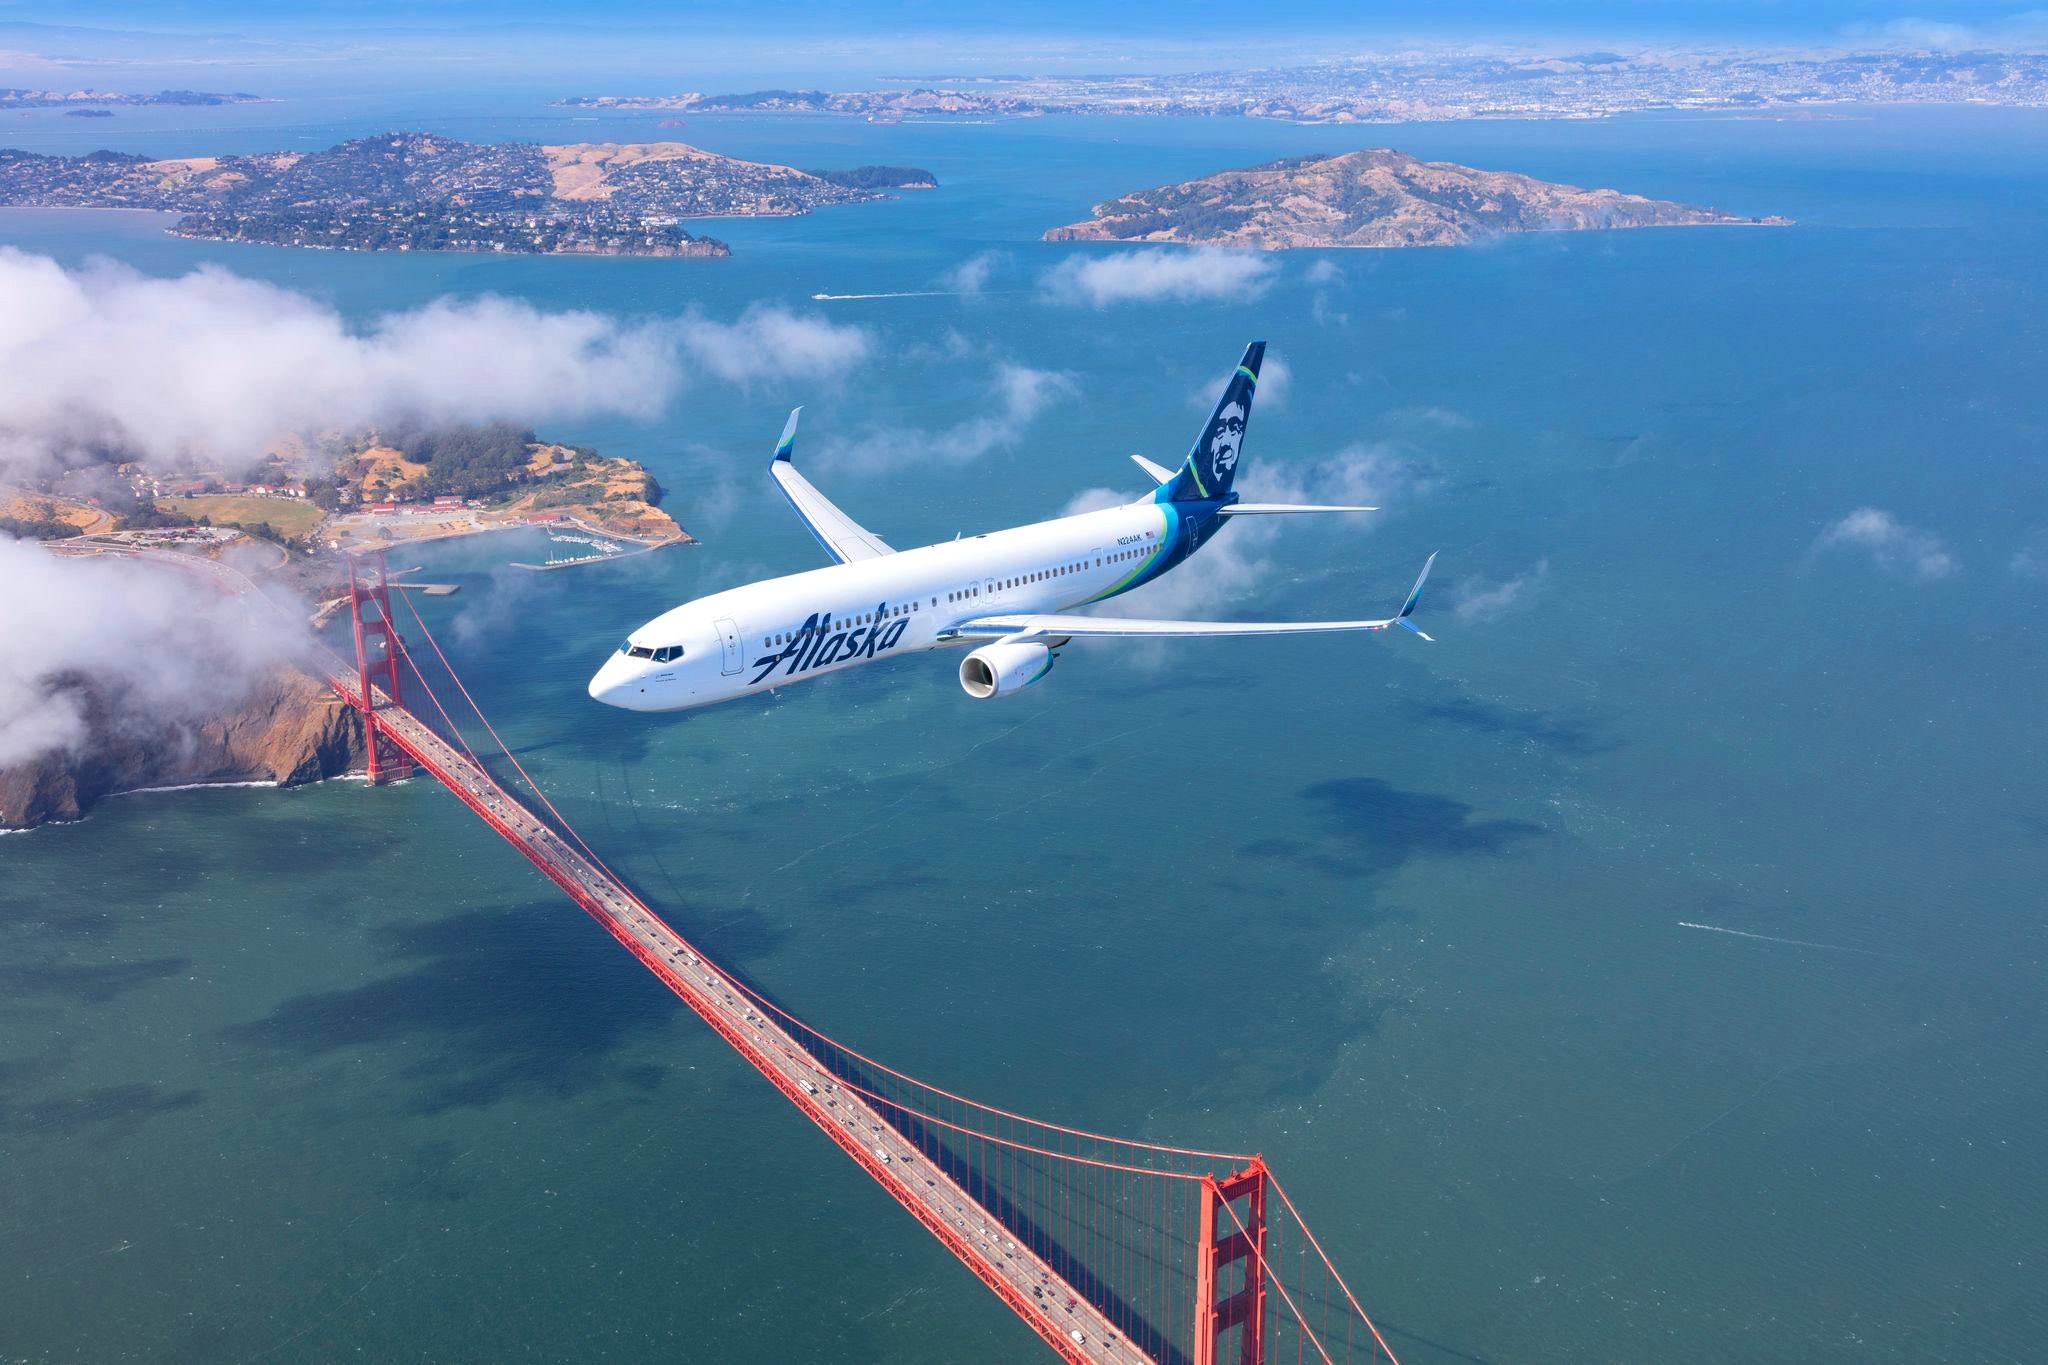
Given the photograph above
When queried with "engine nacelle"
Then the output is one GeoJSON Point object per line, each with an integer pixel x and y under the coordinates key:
{"type": "Point", "coordinates": [1004, 668]}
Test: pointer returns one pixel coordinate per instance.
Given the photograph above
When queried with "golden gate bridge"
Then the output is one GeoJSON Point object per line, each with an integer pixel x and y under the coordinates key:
{"type": "Point", "coordinates": [1113, 1250]}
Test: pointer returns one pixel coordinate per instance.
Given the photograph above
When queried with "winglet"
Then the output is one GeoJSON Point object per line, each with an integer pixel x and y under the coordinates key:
{"type": "Point", "coordinates": [787, 444]}
{"type": "Point", "coordinates": [1415, 596]}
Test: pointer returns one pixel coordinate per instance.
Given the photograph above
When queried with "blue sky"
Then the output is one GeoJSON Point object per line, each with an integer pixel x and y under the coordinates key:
{"type": "Point", "coordinates": [639, 45]}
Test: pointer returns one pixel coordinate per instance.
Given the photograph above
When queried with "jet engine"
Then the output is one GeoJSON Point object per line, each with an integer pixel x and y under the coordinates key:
{"type": "Point", "coordinates": [1004, 668]}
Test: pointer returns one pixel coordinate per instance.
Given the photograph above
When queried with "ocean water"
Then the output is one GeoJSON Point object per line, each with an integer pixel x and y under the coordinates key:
{"type": "Point", "coordinates": [292, 1076]}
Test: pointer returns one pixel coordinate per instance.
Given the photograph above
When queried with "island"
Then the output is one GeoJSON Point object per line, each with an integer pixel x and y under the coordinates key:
{"type": "Point", "coordinates": [1373, 198]}
{"type": "Point", "coordinates": [423, 192]}
{"type": "Point", "coordinates": [12, 98]}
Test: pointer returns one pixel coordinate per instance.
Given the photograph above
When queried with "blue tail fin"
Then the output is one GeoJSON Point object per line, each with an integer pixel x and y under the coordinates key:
{"type": "Point", "coordinates": [1212, 463]}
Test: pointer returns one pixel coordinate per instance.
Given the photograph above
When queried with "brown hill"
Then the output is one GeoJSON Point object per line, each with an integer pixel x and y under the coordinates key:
{"type": "Point", "coordinates": [1374, 198]}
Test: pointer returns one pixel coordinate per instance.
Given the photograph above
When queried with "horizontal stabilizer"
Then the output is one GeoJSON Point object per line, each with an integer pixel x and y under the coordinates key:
{"type": "Point", "coordinates": [1161, 475]}
{"type": "Point", "coordinates": [1278, 509]}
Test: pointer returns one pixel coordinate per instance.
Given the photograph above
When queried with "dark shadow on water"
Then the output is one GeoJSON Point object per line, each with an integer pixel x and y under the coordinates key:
{"type": "Point", "coordinates": [1372, 827]}
{"type": "Point", "coordinates": [20, 1072]}
{"type": "Point", "coordinates": [88, 985]}
{"type": "Point", "coordinates": [1503, 722]}
{"type": "Point", "coordinates": [109, 1108]}
{"type": "Point", "coordinates": [494, 1003]}
{"type": "Point", "coordinates": [1364, 830]}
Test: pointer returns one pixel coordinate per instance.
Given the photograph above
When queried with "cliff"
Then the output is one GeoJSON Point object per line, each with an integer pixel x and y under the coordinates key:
{"type": "Point", "coordinates": [1374, 198]}
{"type": "Point", "coordinates": [290, 730]}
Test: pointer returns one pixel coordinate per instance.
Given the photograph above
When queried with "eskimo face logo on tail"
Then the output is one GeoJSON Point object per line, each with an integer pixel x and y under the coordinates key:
{"type": "Point", "coordinates": [820, 642]}
{"type": "Point", "coordinates": [1229, 435]}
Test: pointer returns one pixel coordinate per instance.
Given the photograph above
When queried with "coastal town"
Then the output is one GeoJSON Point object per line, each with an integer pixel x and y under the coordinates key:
{"type": "Point", "coordinates": [424, 192]}
{"type": "Point", "coordinates": [1415, 86]}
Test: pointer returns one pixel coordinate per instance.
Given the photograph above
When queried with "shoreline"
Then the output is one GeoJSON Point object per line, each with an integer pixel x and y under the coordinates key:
{"type": "Point", "coordinates": [681, 537]}
{"type": "Point", "coordinates": [224, 785]}
{"type": "Point", "coordinates": [1491, 240]}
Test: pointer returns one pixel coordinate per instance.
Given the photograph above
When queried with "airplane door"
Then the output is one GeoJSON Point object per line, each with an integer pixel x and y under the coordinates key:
{"type": "Point", "coordinates": [991, 591]}
{"type": "Point", "coordinates": [729, 636]}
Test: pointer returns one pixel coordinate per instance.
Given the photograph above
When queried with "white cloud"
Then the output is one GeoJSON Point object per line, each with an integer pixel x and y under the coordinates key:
{"type": "Point", "coordinates": [1929, 33]}
{"type": "Point", "coordinates": [2031, 562]}
{"type": "Point", "coordinates": [1476, 599]}
{"type": "Point", "coordinates": [972, 275]}
{"type": "Point", "coordinates": [1445, 419]}
{"type": "Point", "coordinates": [212, 367]}
{"type": "Point", "coordinates": [1325, 279]}
{"type": "Point", "coordinates": [161, 650]}
{"type": "Point", "coordinates": [771, 343]}
{"type": "Point", "coordinates": [1095, 500]}
{"type": "Point", "coordinates": [1893, 546]}
{"type": "Point", "coordinates": [1019, 393]}
{"type": "Point", "coordinates": [1369, 473]}
{"type": "Point", "coordinates": [2023, 31]}
{"type": "Point", "coordinates": [1158, 274]}
{"type": "Point", "coordinates": [1236, 566]}
{"type": "Point", "coordinates": [209, 364]}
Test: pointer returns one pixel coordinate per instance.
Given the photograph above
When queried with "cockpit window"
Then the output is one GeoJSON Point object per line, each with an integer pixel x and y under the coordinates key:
{"type": "Point", "coordinates": [633, 651]}
{"type": "Point", "coordinates": [668, 654]}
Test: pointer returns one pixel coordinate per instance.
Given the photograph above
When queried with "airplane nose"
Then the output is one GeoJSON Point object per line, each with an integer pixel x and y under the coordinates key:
{"type": "Point", "coordinates": [611, 683]}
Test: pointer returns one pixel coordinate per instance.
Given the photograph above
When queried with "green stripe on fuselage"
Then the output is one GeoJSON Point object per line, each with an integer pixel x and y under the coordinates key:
{"type": "Point", "coordinates": [1145, 565]}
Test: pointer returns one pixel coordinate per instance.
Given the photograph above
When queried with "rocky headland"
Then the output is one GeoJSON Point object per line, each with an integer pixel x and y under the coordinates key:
{"type": "Point", "coordinates": [290, 729]}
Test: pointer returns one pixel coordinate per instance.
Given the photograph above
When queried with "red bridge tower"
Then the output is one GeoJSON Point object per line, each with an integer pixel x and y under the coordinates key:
{"type": "Point", "coordinates": [1230, 1280]}
{"type": "Point", "coordinates": [376, 666]}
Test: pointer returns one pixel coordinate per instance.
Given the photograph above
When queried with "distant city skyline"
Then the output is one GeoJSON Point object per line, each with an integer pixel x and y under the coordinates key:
{"type": "Point", "coordinates": [725, 45]}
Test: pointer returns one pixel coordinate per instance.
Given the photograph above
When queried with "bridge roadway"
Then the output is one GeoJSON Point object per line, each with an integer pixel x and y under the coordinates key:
{"type": "Point", "coordinates": [1068, 1323]}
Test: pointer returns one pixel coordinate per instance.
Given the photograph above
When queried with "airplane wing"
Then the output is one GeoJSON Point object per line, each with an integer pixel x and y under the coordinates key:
{"type": "Point", "coordinates": [1054, 627]}
{"type": "Point", "coordinates": [843, 538]}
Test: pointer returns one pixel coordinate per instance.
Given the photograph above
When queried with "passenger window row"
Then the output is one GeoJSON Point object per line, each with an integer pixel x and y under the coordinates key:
{"type": "Point", "coordinates": [1044, 574]}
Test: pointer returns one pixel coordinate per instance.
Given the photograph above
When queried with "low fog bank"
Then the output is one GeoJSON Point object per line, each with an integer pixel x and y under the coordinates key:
{"type": "Point", "coordinates": [162, 646]}
{"type": "Point", "coordinates": [211, 369]}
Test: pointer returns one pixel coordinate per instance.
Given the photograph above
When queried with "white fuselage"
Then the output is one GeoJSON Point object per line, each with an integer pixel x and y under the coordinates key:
{"type": "Point", "coordinates": [783, 630]}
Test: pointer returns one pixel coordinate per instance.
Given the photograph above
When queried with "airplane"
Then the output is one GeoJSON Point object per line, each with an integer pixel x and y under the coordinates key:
{"type": "Point", "coordinates": [1011, 594]}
